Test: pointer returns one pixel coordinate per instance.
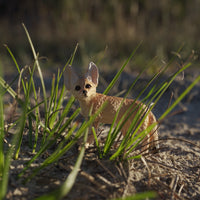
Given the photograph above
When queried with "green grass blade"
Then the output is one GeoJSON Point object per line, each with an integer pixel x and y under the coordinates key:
{"type": "Point", "coordinates": [20, 101]}
{"type": "Point", "coordinates": [133, 125]}
{"type": "Point", "coordinates": [30, 131]}
{"type": "Point", "coordinates": [70, 61]}
{"type": "Point", "coordinates": [49, 142]}
{"type": "Point", "coordinates": [23, 119]}
{"type": "Point", "coordinates": [61, 97]}
{"type": "Point", "coordinates": [4, 176]}
{"type": "Point", "coordinates": [58, 153]}
{"type": "Point", "coordinates": [137, 139]}
{"type": "Point", "coordinates": [119, 126]}
{"type": "Point", "coordinates": [120, 71]}
{"type": "Point", "coordinates": [24, 112]}
{"type": "Point", "coordinates": [113, 134]}
{"type": "Point", "coordinates": [57, 105]}
{"type": "Point", "coordinates": [187, 90]}
{"type": "Point", "coordinates": [67, 123]}
{"type": "Point", "coordinates": [16, 64]}
{"type": "Point", "coordinates": [65, 188]}
{"type": "Point", "coordinates": [13, 58]}
{"type": "Point", "coordinates": [52, 95]}
{"type": "Point", "coordinates": [63, 115]}
{"type": "Point", "coordinates": [161, 91]}
{"type": "Point", "coordinates": [5, 173]}
{"type": "Point", "coordinates": [37, 113]}
{"type": "Point", "coordinates": [154, 94]}
{"type": "Point", "coordinates": [97, 143]}
{"type": "Point", "coordinates": [69, 182]}
{"type": "Point", "coordinates": [163, 86]}
{"type": "Point", "coordinates": [8, 88]}
{"type": "Point", "coordinates": [56, 94]}
{"type": "Point", "coordinates": [73, 55]}
{"type": "Point", "coordinates": [41, 78]}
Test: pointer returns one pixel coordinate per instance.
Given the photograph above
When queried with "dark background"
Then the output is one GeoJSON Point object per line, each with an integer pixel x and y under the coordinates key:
{"type": "Point", "coordinates": [106, 30]}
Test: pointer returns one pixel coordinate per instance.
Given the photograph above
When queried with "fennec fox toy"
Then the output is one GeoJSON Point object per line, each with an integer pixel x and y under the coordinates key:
{"type": "Point", "coordinates": [84, 90]}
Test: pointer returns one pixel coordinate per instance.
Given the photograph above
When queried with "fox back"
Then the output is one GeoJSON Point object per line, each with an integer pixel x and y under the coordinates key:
{"type": "Point", "coordinates": [84, 90]}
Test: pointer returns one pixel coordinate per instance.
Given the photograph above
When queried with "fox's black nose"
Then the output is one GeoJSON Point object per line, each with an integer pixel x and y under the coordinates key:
{"type": "Point", "coordinates": [84, 92]}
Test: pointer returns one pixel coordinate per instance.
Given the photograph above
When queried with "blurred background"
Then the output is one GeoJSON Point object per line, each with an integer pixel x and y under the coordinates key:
{"type": "Point", "coordinates": [106, 30]}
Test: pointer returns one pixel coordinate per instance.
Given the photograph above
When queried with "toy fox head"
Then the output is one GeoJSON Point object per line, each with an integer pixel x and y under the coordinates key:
{"type": "Point", "coordinates": [82, 88]}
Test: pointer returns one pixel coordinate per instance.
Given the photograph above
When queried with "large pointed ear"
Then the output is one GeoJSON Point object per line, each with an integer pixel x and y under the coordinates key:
{"type": "Point", "coordinates": [93, 73]}
{"type": "Point", "coordinates": [70, 77]}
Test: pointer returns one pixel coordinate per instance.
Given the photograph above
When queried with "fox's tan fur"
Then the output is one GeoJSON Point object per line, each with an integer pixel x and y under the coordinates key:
{"type": "Point", "coordinates": [84, 90]}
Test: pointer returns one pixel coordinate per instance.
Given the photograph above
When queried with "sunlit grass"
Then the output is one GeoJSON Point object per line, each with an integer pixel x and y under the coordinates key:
{"type": "Point", "coordinates": [53, 125]}
{"type": "Point", "coordinates": [133, 137]}
{"type": "Point", "coordinates": [57, 122]}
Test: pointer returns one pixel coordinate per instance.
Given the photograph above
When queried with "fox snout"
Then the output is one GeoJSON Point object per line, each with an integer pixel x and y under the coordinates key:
{"type": "Point", "coordinates": [85, 92]}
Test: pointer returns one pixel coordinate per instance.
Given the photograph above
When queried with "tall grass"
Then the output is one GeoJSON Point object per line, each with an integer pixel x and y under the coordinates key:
{"type": "Point", "coordinates": [57, 121]}
{"type": "Point", "coordinates": [133, 137]}
{"type": "Point", "coordinates": [53, 125]}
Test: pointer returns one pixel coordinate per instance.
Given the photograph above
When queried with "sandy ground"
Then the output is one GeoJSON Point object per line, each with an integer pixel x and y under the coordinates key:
{"type": "Point", "coordinates": [174, 172]}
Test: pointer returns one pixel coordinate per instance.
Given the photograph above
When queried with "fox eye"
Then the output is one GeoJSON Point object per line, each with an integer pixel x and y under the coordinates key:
{"type": "Point", "coordinates": [88, 86]}
{"type": "Point", "coordinates": [77, 88]}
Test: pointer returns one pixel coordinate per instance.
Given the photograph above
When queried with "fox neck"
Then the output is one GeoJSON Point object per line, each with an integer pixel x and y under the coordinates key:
{"type": "Point", "coordinates": [86, 104]}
